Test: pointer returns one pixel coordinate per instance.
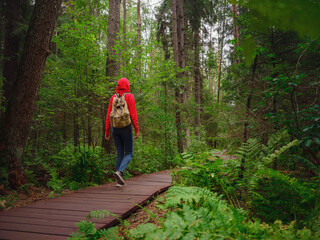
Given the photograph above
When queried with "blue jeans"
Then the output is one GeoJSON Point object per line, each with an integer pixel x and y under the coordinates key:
{"type": "Point", "coordinates": [124, 144]}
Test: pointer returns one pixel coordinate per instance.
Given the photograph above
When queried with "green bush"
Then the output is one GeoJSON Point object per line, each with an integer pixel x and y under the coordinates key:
{"type": "Point", "coordinates": [207, 171]}
{"type": "Point", "coordinates": [80, 166]}
{"type": "Point", "coordinates": [201, 214]}
{"type": "Point", "coordinates": [277, 196]}
{"type": "Point", "coordinates": [147, 159]}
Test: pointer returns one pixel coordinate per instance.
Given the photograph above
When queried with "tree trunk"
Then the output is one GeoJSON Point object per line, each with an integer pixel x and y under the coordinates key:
{"type": "Point", "coordinates": [90, 141]}
{"type": "Point", "coordinates": [139, 37]}
{"type": "Point", "coordinates": [220, 56]}
{"type": "Point", "coordinates": [124, 62]}
{"type": "Point", "coordinates": [197, 81]}
{"type": "Point", "coordinates": [179, 57]}
{"type": "Point", "coordinates": [235, 30]}
{"type": "Point", "coordinates": [112, 69]}
{"type": "Point", "coordinates": [248, 106]}
{"type": "Point", "coordinates": [16, 120]}
{"type": "Point", "coordinates": [113, 31]}
{"type": "Point", "coordinates": [64, 128]}
{"type": "Point", "coordinates": [209, 72]}
{"type": "Point", "coordinates": [2, 37]}
{"type": "Point", "coordinates": [11, 47]}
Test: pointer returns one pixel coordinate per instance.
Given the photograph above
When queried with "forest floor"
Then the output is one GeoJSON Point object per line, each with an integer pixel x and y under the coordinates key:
{"type": "Point", "coordinates": [150, 213]}
{"type": "Point", "coordinates": [19, 198]}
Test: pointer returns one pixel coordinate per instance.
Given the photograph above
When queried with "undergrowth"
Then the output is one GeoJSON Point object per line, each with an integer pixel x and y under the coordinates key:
{"type": "Point", "coordinates": [252, 197]}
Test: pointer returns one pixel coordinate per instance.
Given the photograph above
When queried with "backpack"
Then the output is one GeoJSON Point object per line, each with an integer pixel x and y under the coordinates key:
{"type": "Point", "coordinates": [120, 115]}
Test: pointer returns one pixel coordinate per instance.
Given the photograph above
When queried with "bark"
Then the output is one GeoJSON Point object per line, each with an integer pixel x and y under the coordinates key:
{"type": "Point", "coordinates": [180, 33]}
{"type": "Point", "coordinates": [90, 142]}
{"type": "Point", "coordinates": [11, 46]}
{"type": "Point", "coordinates": [248, 109]}
{"type": "Point", "coordinates": [17, 118]}
{"type": "Point", "coordinates": [197, 81]}
{"type": "Point", "coordinates": [125, 30]}
{"type": "Point", "coordinates": [235, 31]}
{"type": "Point", "coordinates": [209, 72]}
{"type": "Point", "coordinates": [220, 55]}
{"type": "Point", "coordinates": [113, 31]}
{"type": "Point", "coordinates": [112, 68]}
{"type": "Point", "coordinates": [162, 36]}
{"type": "Point", "coordinates": [139, 37]}
{"type": "Point", "coordinates": [64, 127]}
{"type": "Point", "coordinates": [175, 32]}
{"type": "Point", "coordinates": [2, 37]}
{"type": "Point", "coordinates": [178, 52]}
{"type": "Point", "coordinates": [219, 71]}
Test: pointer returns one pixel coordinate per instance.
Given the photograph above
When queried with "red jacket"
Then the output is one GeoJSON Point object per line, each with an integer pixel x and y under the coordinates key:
{"type": "Point", "coordinates": [123, 86]}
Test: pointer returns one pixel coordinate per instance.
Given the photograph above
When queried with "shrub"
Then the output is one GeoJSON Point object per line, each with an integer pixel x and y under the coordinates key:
{"type": "Point", "coordinates": [201, 214]}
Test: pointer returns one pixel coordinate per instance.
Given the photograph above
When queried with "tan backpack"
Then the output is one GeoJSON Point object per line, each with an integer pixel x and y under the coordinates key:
{"type": "Point", "coordinates": [120, 115]}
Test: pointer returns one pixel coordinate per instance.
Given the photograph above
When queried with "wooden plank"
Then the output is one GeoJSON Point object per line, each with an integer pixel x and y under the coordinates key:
{"type": "Point", "coordinates": [24, 227]}
{"type": "Point", "coordinates": [12, 235]}
{"type": "Point", "coordinates": [81, 207]}
{"type": "Point", "coordinates": [97, 201]}
{"type": "Point", "coordinates": [133, 189]}
{"type": "Point", "coordinates": [44, 221]}
{"type": "Point", "coordinates": [56, 218]}
{"type": "Point", "coordinates": [89, 199]}
{"type": "Point", "coordinates": [25, 210]}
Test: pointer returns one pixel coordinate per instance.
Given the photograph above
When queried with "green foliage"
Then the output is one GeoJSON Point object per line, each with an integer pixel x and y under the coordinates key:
{"type": "Point", "coordinates": [87, 230]}
{"type": "Point", "coordinates": [269, 194]}
{"type": "Point", "coordinates": [200, 214]}
{"type": "Point", "coordinates": [275, 196]}
{"type": "Point", "coordinates": [301, 16]}
{"type": "Point", "coordinates": [149, 158]}
{"type": "Point", "coordinates": [83, 164]}
{"type": "Point", "coordinates": [204, 170]}
{"type": "Point", "coordinates": [55, 183]}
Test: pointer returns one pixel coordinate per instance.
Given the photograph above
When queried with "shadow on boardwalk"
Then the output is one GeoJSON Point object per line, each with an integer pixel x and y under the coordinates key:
{"type": "Point", "coordinates": [56, 218]}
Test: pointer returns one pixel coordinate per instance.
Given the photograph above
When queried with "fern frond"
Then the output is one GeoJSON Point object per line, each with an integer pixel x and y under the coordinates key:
{"type": "Point", "coordinates": [101, 214]}
{"type": "Point", "coordinates": [276, 139]}
{"type": "Point", "coordinates": [270, 157]}
{"type": "Point", "coordinates": [306, 162]}
{"type": "Point", "coordinates": [250, 150]}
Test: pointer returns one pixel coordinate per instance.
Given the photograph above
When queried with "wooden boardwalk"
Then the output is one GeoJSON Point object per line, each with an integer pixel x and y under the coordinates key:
{"type": "Point", "coordinates": [56, 218]}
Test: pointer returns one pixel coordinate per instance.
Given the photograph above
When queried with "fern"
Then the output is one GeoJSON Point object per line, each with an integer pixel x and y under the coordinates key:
{"type": "Point", "coordinates": [307, 163]}
{"type": "Point", "coordinates": [101, 214]}
{"type": "Point", "coordinates": [187, 157]}
{"type": "Point", "coordinates": [87, 230]}
{"type": "Point", "coordinates": [178, 195]}
{"type": "Point", "coordinates": [250, 150]}
{"type": "Point", "coordinates": [275, 140]}
{"type": "Point", "coordinates": [200, 214]}
{"type": "Point", "coordinates": [278, 196]}
{"type": "Point", "coordinates": [270, 157]}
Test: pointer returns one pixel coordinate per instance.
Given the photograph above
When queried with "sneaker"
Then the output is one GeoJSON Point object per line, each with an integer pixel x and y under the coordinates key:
{"type": "Point", "coordinates": [119, 185]}
{"type": "Point", "coordinates": [119, 177]}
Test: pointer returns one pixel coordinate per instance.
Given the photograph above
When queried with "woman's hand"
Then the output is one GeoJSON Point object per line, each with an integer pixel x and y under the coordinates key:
{"type": "Point", "coordinates": [137, 135]}
{"type": "Point", "coordinates": [107, 136]}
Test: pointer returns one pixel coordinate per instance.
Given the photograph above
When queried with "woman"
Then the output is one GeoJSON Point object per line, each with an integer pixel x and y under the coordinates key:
{"type": "Point", "coordinates": [123, 136]}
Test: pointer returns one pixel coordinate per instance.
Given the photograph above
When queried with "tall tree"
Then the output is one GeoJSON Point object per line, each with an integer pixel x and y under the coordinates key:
{"type": "Point", "coordinates": [124, 3]}
{"type": "Point", "coordinates": [11, 46]}
{"type": "Point", "coordinates": [16, 120]}
{"type": "Point", "coordinates": [112, 68]}
{"type": "Point", "coordinates": [179, 58]}
{"type": "Point", "coordinates": [139, 36]}
{"type": "Point", "coordinates": [235, 30]}
{"type": "Point", "coordinates": [197, 80]}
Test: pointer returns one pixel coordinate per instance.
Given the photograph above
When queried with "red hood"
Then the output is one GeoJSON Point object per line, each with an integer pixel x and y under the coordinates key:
{"type": "Point", "coordinates": [123, 86]}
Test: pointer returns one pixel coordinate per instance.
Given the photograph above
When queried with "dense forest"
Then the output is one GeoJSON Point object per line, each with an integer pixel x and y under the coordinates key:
{"type": "Point", "coordinates": [238, 76]}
